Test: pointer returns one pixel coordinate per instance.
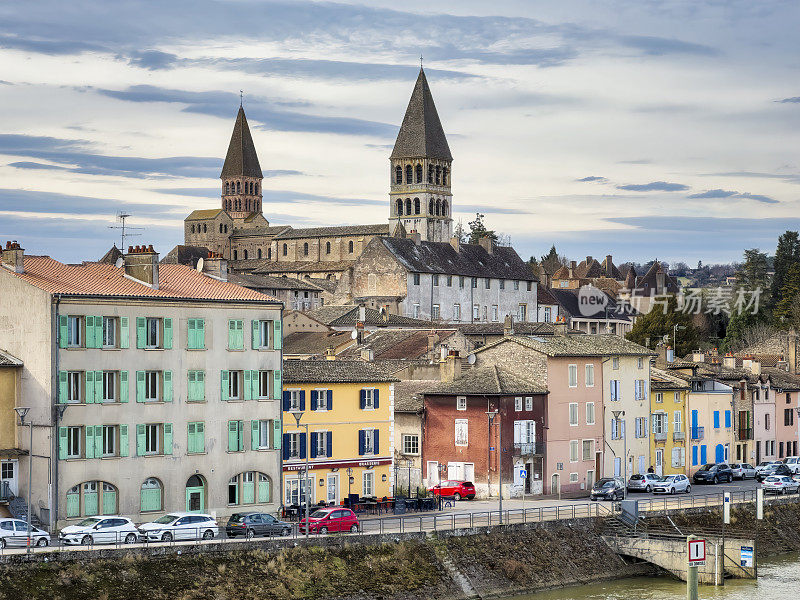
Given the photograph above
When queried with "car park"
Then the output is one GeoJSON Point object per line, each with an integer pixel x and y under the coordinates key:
{"type": "Point", "coordinates": [713, 473]}
{"type": "Point", "coordinates": [456, 489]}
{"type": "Point", "coordinates": [779, 484]}
{"type": "Point", "coordinates": [330, 520]}
{"type": "Point", "coordinates": [180, 526]}
{"type": "Point", "coordinates": [777, 468]}
{"type": "Point", "coordinates": [14, 532]}
{"type": "Point", "coordinates": [743, 471]}
{"type": "Point", "coordinates": [672, 484]}
{"type": "Point", "coordinates": [256, 524]}
{"type": "Point", "coordinates": [608, 488]}
{"type": "Point", "coordinates": [643, 482]}
{"type": "Point", "coordinates": [793, 462]}
{"type": "Point", "coordinates": [100, 530]}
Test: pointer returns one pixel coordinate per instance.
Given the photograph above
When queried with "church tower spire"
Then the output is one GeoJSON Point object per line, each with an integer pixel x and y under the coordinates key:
{"type": "Point", "coordinates": [241, 174]}
{"type": "Point", "coordinates": [419, 194]}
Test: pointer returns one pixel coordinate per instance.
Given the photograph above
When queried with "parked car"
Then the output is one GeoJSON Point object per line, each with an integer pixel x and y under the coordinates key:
{"type": "Point", "coordinates": [179, 526]}
{"type": "Point", "coordinates": [643, 483]}
{"type": "Point", "coordinates": [14, 532]}
{"type": "Point", "coordinates": [713, 473]}
{"type": "Point", "coordinates": [777, 468]}
{"type": "Point", "coordinates": [672, 484]}
{"type": "Point", "coordinates": [765, 464]}
{"type": "Point", "coordinates": [253, 524]}
{"type": "Point", "coordinates": [779, 484]}
{"type": "Point", "coordinates": [100, 530]}
{"type": "Point", "coordinates": [793, 462]}
{"type": "Point", "coordinates": [457, 489]}
{"type": "Point", "coordinates": [608, 488]}
{"type": "Point", "coordinates": [331, 519]}
{"type": "Point", "coordinates": [743, 471]}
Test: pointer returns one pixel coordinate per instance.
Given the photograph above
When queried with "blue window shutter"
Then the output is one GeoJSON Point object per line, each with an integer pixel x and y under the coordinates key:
{"type": "Point", "coordinates": [285, 446]}
{"type": "Point", "coordinates": [703, 454]}
{"type": "Point", "coordinates": [361, 442]}
{"type": "Point", "coordinates": [362, 399]}
{"type": "Point", "coordinates": [167, 438]}
{"type": "Point", "coordinates": [276, 434]}
{"type": "Point", "coordinates": [720, 453]}
{"type": "Point", "coordinates": [313, 449]}
{"type": "Point", "coordinates": [375, 445]}
{"type": "Point", "coordinates": [329, 394]}
{"type": "Point", "coordinates": [303, 445]}
{"type": "Point", "coordinates": [248, 385]}
{"type": "Point", "coordinates": [90, 337]}
{"type": "Point", "coordinates": [375, 398]}
{"type": "Point", "coordinates": [302, 400]}
{"type": "Point", "coordinates": [254, 338]}
{"type": "Point", "coordinates": [694, 456]}
{"type": "Point", "coordinates": [329, 444]}
{"type": "Point", "coordinates": [140, 386]}
{"type": "Point", "coordinates": [287, 401]}
{"type": "Point", "coordinates": [694, 418]}
{"type": "Point", "coordinates": [716, 419]}
{"type": "Point", "coordinates": [314, 396]}
{"type": "Point", "coordinates": [727, 418]}
{"type": "Point", "coordinates": [62, 443]}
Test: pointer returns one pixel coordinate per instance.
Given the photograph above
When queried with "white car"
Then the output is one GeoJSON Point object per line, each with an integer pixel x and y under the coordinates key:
{"type": "Point", "coordinates": [672, 484]}
{"type": "Point", "coordinates": [779, 484]}
{"type": "Point", "coordinates": [743, 471]}
{"type": "Point", "coordinates": [763, 466]}
{"type": "Point", "coordinates": [14, 532]}
{"type": "Point", "coordinates": [100, 530]}
{"type": "Point", "coordinates": [793, 462]}
{"type": "Point", "coordinates": [180, 526]}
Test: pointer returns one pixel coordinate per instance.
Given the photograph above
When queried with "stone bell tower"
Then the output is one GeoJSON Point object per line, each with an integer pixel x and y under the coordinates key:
{"type": "Point", "coordinates": [419, 194]}
{"type": "Point", "coordinates": [241, 174]}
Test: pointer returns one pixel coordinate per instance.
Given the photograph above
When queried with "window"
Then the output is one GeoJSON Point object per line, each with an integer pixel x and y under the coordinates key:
{"type": "Point", "coordinates": [462, 432]}
{"type": "Point", "coordinates": [590, 413]}
{"type": "Point", "coordinates": [153, 333]}
{"type": "Point", "coordinates": [488, 283]}
{"type": "Point", "coordinates": [196, 391]}
{"type": "Point", "coordinates": [461, 282]}
{"type": "Point", "coordinates": [416, 278]}
{"type": "Point", "coordinates": [677, 396]}
{"type": "Point", "coordinates": [74, 332]}
{"type": "Point", "coordinates": [196, 334]}
{"type": "Point", "coordinates": [640, 389]}
{"type": "Point", "coordinates": [615, 362]}
{"type": "Point", "coordinates": [518, 404]}
{"type": "Point", "coordinates": [262, 330]}
{"type": "Point", "coordinates": [235, 436]}
{"type": "Point", "coordinates": [530, 285]}
{"type": "Point", "coordinates": [264, 433]}
{"type": "Point", "coordinates": [369, 399]}
{"type": "Point", "coordinates": [547, 314]}
{"type": "Point", "coordinates": [350, 246]}
{"type": "Point", "coordinates": [677, 424]}
{"type": "Point", "coordinates": [196, 437]}
{"type": "Point", "coordinates": [476, 312]}
{"type": "Point", "coordinates": [109, 440]}
{"type": "Point", "coordinates": [151, 435]}
{"type": "Point", "coordinates": [573, 477]}
{"type": "Point", "coordinates": [151, 386]}
{"type": "Point", "coordinates": [588, 449]}
{"type": "Point", "coordinates": [410, 443]}
{"type": "Point", "coordinates": [589, 375]}
{"type": "Point", "coordinates": [293, 446]}
{"type": "Point", "coordinates": [788, 417]}
{"type": "Point", "coordinates": [415, 311]}
{"type": "Point", "coordinates": [150, 496]}
{"type": "Point", "coordinates": [528, 403]}
{"type": "Point", "coordinates": [319, 399]}
{"type": "Point", "coordinates": [305, 249]}
{"type": "Point", "coordinates": [398, 174]}
{"type": "Point", "coordinates": [259, 253]}
{"type": "Point", "coordinates": [659, 423]}
{"type": "Point", "coordinates": [616, 393]}
{"type": "Point", "coordinates": [235, 385]}
{"type": "Point", "coordinates": [641, 427]}
{"type": "Point", "coordinates": [456, 312]}
{"type": "Point", "coordinates": [264, 382]}
{"type": "Point", "coordinates": [486, 313]}
{"type": "Point", "coordinates": [461, 403]}
{"type": "Point", "coordinates": [640, 363]}
{"type": "Point", "coordinates": [368, 443]}
{"type": "Point", "coordinates": [516, 285]}
{"type": "Point", "coordinates": [474, 281]}
{"type": "Point", "coordinates": [435, 278]}
{"type": "Point", "coordinates": [659, 397]}
{"type": "Point", "coordinates": [495, 313]}
{"type": "Point", "coordinates": [766, 423]}
{"type": "Point", "coordinates": [294, 400]}
{"type": "Point", "coordinates": [319, 445]}
{"type": "Point", "coordinates": [109, 386]}
{"type": "Point", "coordinates": [574, 448]}
{"type": "Point", "coordinates": [525, 432]}
{"type": "Point", "coordinates": [74, 386]}
{"type": "Point", "coordinates": [573, 375]}
{"type": "Point", "coordinates": [109, 332]}
{"type": "Point", "coordinates": [522, 312]}
{"type": "Point", "coordinates": [74, 442]}
{"type": "Point", "coordinates": [327, 247]}
{"type": "Point", "coordinates": [502, 284]}
{"type": "Point", "coordinates": [285, 249]}
{"type": "Point", "coordinates": [435, 312]}
{"type": "Point", "coordinates": [573, 413]}
{"type": "Point", "coordinates": [449, 281]}
{"type": "Point", "coordinates": [368, 483]}
{"type": "Point", "coordinates": [235, 334]}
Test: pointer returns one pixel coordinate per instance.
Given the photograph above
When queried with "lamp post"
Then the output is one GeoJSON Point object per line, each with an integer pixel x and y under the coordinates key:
{"type": "Point", "coordinates": [675, 329]}
{"type": "Point", "coordinates": [297, 416]}
{"type": "Point", "coordinates": [492, 414]}
{"type": "Point", "coordinates": [22, 411]}
{"type": "Point", "coordinates": [617, 414]}
{"type": "Point", "coordinates": [349, 481]}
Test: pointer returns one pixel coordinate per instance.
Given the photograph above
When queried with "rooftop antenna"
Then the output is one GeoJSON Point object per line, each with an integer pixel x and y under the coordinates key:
{"type": "Point", "coordinates": [420, 60]}
{"type": "Point", "coordinates": [121, 216]}
{"type": "Point", "coordinates": [241, 98]}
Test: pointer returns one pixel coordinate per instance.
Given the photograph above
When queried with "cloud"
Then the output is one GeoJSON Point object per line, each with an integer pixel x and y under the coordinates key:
{"type": "Point", "coordinates": [153, 60]}
{"type": "Point", "coordinates": [51, 47]}
{"type": "Point", "coordinates": [30, 201]}
{"type": "Point", "coordinates": [659, 46]}
{"type": "Point", "coordinates": [714, 194]}
{"type": "Point", "coordinates": [486, 210]}
{"type": "Point", "coordinates": [592, 178]}
{"type": "Point", "coordinates": [758, 198]}
{"type": "Point", "coordinates": [654, 186]}
{"type": "Point", "coordinates": [275, 196]}
{"type": "Point", "coordinates": [795, 100]}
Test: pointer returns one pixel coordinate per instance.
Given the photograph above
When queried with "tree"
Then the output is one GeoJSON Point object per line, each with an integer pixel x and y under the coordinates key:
{"type": "Point", "coordinates": [660, 322]}
{"type": "Point", "coordinates": [553, 261]}
{"type": "Point", "coordinates": [459, 233]}
{"type": "Point", "coordinates": [752, 274]}
{"type": "Point", "coordinates": [786, 254]}
{"type": "Point", "coordinates": [789, 292]}
{"type": "Point", "coordinates": [477, 230]}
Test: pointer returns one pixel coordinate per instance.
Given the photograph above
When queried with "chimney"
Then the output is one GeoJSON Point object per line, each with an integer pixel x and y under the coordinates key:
{"type": "Point", "coordinates": [415, 236]}
{"type": "Point", "coordinates": [487, 244]}
{"type": "Point", "coordinates": [572, 265]}
{"type": "Point", "coordinates": [729, 361]}
{"type": "Point", "coordinates": [588, 260]}
{"type": "Point", "coordinates": [330, 354]}
{"type": "Point", "coordinates": [508, 326]}
{"type": "Point", "coordinates": [560, 327]}
{"type": "Point", "coordinates": [450, 367]}
{"type": "Point", "coordinates": [141, 264]}
{"type": "Point", "coordinates": [698, 356]}
{"type": "Point", "coordinates": [13, 257]}
{"type": "Point", "coordinates": [362, 312]}
{"type": "Point", "coordinates": [791, 356]}
{"type": "Point", "coordinates": [385, 314]}
{"type": "Point", "coordinates": [755, 367]}
{"type": "Point", "coordinates": [455, 243]}
{"type": "Point", "coordinates": [433, 339]}
{"type": "Point", "coordinates": [670, 354]}
{"type": "Point", "coordinates": [215, 266]}
{"type": "Point", "coordinates": [661, 282]}
{"type": "Point", "coordinates": [366, 354]}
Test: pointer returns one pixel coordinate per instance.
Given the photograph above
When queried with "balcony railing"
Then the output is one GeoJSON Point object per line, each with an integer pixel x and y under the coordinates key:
{"type": "Point", "coordinates": [526, 449]}
{"type": "Point", "coordinates": [660, 437]}
{"type": "Point", "coordinates": [745, 433]}
{"type": "Point", "coordinates": [678, 436]}
{"type": "Point", "coordinates": [698, 433]}
{"type": "Point", "coordinates": [5, 492]}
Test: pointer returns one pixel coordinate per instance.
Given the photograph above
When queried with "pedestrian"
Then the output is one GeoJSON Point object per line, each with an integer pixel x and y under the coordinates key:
{"type": "Point", "coordinates": [651, 469]}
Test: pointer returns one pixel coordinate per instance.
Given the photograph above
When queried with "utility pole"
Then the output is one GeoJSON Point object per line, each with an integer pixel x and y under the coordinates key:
{"type": "Point", "coordinates": [492, 414]}
{"type": "Point", "coordinates": [21, 412]}
{"type": "Point", "coordinates": [617, 414]}
{"type": "Point", "coordinates": [297, 416]}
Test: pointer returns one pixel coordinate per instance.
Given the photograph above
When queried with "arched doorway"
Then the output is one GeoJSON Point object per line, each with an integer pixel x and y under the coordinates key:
{"type": "Point", "coordinates": [554, 486]}
{"type": "Point", "coordinates": [195, 493]}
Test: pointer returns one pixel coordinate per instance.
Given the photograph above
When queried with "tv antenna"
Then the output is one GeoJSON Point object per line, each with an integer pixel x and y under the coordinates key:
{"type": "Point", "coordinates": [121, 216]}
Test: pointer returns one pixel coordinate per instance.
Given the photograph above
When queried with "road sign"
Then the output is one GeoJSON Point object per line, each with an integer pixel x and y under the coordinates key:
{"type": "Point", "coordinates": [523, 473]}
{"type": "Point", "coordinates": [697, 553]}
{"type": "Point", "coordinates": [747, 556]}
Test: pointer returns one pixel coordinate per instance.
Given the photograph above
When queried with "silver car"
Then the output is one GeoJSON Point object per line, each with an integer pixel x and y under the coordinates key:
{"type": "Point", "coordinates": [672, 484]}
{"type": "Point", "coordinates": [14, 532]}
{"type": "Point", "coordinates": [643, 483]}
{"type": "Point", "coordinates": [743, 471]}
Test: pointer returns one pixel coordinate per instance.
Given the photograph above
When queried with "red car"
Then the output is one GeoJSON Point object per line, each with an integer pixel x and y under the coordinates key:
{"type": "Point", "coordinates": [456, 489]}
{"type": "Point", "coordinates": [334, 518]}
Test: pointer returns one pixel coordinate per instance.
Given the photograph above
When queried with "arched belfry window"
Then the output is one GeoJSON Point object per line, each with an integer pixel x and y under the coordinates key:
{"type": "Point", "coordinates": [285, 249]}
{"type": "Point", "coordinates": [430, 206]}
{"type": "Point", "coordinates": [438, 175]}
{"type": "Point", "coordinates": [259, 253]}
{"type": "Point", "coordinates": [438, 207]}
{"type": "Point", "coordinates": [227, 187]}
{"type": "Point", "coordinates": [430, 174]}
{"type": "Point", "coordinates": [408, 206]}
{"type": "Point", "coordinates": [444, 175]}
{"type": "Point", "coordinates": [350, 246]}
{"type": "Point", "coordinates": [238, 187]}
{"type": "Point", "coordinates": [444, 208]}
{"type": "Point", "coordinates": [419, 173]}
{"type": "Point", "coordinates": [409, 174]}
{"type": "Point", "coordinates": [305, 249]}
{"type": "Point", "coordinates": [245, 254]}
{"type": "Point", "coordinates": [327, 247]}
{"type": "Point", "coordinates": [399, 206]}
{"type": "Point", "coordinates": [398, 174]}
{"type": "Point", "coordinates": [416, 206]}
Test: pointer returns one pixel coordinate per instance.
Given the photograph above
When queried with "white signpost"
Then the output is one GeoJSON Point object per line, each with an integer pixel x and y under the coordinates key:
{"type": "Point", "coordinates": [696, 553]}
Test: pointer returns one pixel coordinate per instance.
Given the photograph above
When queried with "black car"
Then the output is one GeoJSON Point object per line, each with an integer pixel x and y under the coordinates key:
{"type": "Point", "coordinates": [713, 473]}
{"type": "Point", "coordinates": [608, 488]}
{"type": "Point", "coordinates": [774, 469]}
{"type": "Point", "coordinates": [253, 524]}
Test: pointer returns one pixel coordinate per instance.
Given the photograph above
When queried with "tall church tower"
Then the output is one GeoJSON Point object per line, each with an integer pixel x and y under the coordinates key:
{"type": "Point", "coordinates": [419, 195]}
{"type": "Point", "coordinates": [241, 174]}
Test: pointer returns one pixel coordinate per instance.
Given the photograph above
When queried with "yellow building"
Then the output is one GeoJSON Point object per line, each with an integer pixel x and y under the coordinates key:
{"type": "Point", "coordinates": [348, 407]}
{"type": "Point", "coordinates": [10, 452]}
{"type": "Point", "coordinates": [668, 397]}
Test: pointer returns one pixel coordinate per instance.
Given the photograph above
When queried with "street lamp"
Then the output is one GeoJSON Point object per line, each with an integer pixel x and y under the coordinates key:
{"type": "Point", "coordinates": [297, 416]}
{"type": "Point", "coordinates": [22, 411]}
{"type": "Point", "coordinates": [349, 481]}
{"type": "Point", "coordinates": [491, 414]}
{"type": "Point", "coordinates": [675, 329]}
{"type": "Point", "coordinates": [617, 414]}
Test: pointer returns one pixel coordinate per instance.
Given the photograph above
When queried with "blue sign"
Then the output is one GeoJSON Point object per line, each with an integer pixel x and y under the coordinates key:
{"type": "Point", "coordinates": [491, 448]}
{"type": "Point", "coordinates": [523, 472]}
{"type": "Point", "coordinates": [747, 556]}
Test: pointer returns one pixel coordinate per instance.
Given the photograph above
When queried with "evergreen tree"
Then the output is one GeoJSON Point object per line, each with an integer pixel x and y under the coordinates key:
{"type": "Point", "coordinates": [552, 261]}
{"type": "Point", "coordinates": [751, 276]}
{"type": "Point", "coordinates": [659, 323]}
{"type": "Point", "coordinates": [787, 254]}
{"type": "Point", "coordinates": [789, 292]}
{"type": "Point", "coordinates": [477, 230]}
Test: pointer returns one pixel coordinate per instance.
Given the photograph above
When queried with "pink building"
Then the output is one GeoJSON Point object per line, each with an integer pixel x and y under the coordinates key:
{"type": "Point", "coordinates": [783, 389]}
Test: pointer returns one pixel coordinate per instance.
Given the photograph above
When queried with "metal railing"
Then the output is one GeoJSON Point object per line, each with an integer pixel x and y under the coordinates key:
{"type": "Point", "coordinates": [523, 449]}
{"type": "Point", "coordinates": [678, 436]}
{"type": "Point", "coordinates": [745, 433]}
{"type": "Point", "coordinates": [660, 437]}
{"type": "Point", "coordinates": [698, 433]}
{"type": "Point", "coordinates": [5, 492]}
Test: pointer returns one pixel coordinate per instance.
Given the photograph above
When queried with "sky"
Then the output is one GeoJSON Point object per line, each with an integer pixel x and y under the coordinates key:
{"type": "Point", "coordinates": [640, 129]}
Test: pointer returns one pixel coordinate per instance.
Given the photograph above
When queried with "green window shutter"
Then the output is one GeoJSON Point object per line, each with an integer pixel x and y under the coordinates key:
{"type": "Point", "coordinates": [140, 440]}
{"type": "Point", "coordinates": [167, 438]}
{"type": "Point", "coordinates": [167, 385]}
{"type": "Point", "coordinates": [277, 338]}
{"type": "Point", "coordinates": [254, 435]}
{"type": "Point", "coordinates": [98, 387]}
{"type": "Point", "coordinates": [240, 437]}
{"type": "Point", "coordinates": [89, 387]}
{"type": "Point", "coordinates": [62, 331]}
{"type": "Point", "coordinates": [191, 386]}
{"type": "Point", "coordinates": [231, 334]}
{"type": "Point", "coordinates": [123, 388]}
{"type": "Point", "coordinates": [123, 440]}
{"type": "Point", "coordinates": [124, 333]}
{"type": "Point", "coordinates": [200, 442]}
{"type": "Point", "coordinates": [200, 334]}
{"type": "Point", "coordinates": [98, 332]}
{"type": "Point", "coordinates": [140, 386]}
{"type": "Point", "coordinates": [190, 336]}
{"type": "Point", "coordinates": [224, 386]}
{"type": "Point", "coordinates": [62, 386]}
{"type": "Point", "coordinates": [191, 430]}
{"type": "Point", "coordinates": [168, 333]}
{"type": "Point", "coordinates": [255, 381]}
{"type": "Point", "coordinates": [98, 441]}
{"type": "Point", "coordinates": [141, 332]}
{"type": "Point", "coordinates": [89, 328]}
{"type": "Point", "coordinates": [255, 337]}
{"type": "Point", "coordinates": [89, 445]}
{"type": "Point", "coordinates": [240, 334]}
{"type": "Point", "coordinates": [200, 385]}
{"type": "Point", "coordinates": [233, 431]}
{"type": "Point", "coordinates": [62, 443]}
{"type": "Point", "coordinates": [277, 389]}
{"type": "Point", "coordinates": [277, 434]}
{"type": "Point", "coordinates": [248, 385]}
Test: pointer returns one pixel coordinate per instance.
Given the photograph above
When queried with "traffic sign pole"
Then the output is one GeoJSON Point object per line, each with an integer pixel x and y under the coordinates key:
{"type": "Point", "coordinates": [696, 556]}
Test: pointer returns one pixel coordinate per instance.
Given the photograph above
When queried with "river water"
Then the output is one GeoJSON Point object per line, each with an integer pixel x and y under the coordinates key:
{"type": "Point", "coordinates": [778, 579]}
